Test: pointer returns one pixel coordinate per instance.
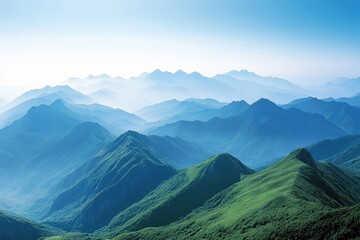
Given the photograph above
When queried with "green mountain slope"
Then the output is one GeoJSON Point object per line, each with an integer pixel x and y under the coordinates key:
{"type": "Point", "coordinates": [15, 228]}
{"type": "Point", "coordinates": [181, 194]}
{"type": "Point", "coordinates": [349, 158]}
{"type": "Point", "coordinates": [42, 147]}
{"type": "Point", "coordinates": [119, 175]}
{"type": "Point", "coordinates": [294, 198]}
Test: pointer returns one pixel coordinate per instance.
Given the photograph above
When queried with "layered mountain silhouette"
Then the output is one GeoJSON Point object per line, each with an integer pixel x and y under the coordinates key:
{"type": "Point", "coordinates": [343, 152]}
{"type": "Point", "coordinates": [75, 166]}
{"type": "Point", "coordinates": [260, 133]}
{"type": "Point", "coordinates": [343, 115]}
{"type": "Point", "coordinates": [115, 120]}
{"type": "Point", "coordinates": [63, 92]}
{"type": "Point", "coordinates": [42, 147]}
{"type": "Point", "coordinates": [169, 109]}
{"type": "Point", "coordinates": [158, 86]}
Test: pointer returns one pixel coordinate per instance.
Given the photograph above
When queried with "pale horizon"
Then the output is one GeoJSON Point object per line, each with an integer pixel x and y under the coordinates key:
{"type": "Point", "coordinates": [309, 43]}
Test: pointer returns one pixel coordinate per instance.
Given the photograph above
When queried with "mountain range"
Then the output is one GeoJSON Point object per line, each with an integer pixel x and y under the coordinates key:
{"type": "Point", "coordinates": [164, 85]}
{"type": "Point", "coordinates": [295, 198]}
{"type": "Point", "coordinates": [262, 132]}
{"type": "Point", "coordinates": [42, 147]}
{"type": "Point", "coordinates": [171, 156]}
{"type": "Point", "coordinates": [341, 114]}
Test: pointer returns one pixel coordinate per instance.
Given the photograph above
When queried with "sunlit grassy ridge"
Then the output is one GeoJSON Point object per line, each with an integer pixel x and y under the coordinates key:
{"type": "Point", "coordinates": [181, 194]}
{"type": "Point", "coordinates": [294, 198]}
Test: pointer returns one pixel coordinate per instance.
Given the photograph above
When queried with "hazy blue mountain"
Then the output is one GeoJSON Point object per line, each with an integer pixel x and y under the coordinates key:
{"type": "Point", "coordinates": [159, 86]}
{"type": "Point", "coordinates": [277, 83]}
{"type": "Point", "coordinates": [175, 151]}
{"type": "Point", "coordinates": [65, 92]}
{"type": "Point", "coordinates": [26, 137]}
{"type": "Point", "coordinates": [342, 87]}
{"type": "Point", "coordinates": [94, 83]}
{"type": "Point", "coordinates": [181, 194]}
{"type": "Point", "coordinates": [295, 198]}
{"type": "Point", "coordinates": [16, 228]}
{"type": "Point", "coordinates": [168, 109]}
{"type": "Point", "coordinates": [349, 158]}
{"type": "Point", "coordinates": [343, 115]}
{"type": "Point", "coordinates": [2, 102]}
{"type": "Point", "coordinates": [118, 176]}
{"type": "Point", "coordinates": [353, 100]}
{"type": "Point", "coordinates": [327, 148]}
{"type": "Point", "coordinates": [116, 121]}
{"type": "Point", "coordinates": [42, 147]}
{"type": "Point", "coordinates": [252, 87]}
{"type": "Point", "coordinates": [63, 155]}
{"type": "Point", "coordinates": [263, 132]}
{"type": "Point", "coordinates": [230, 110]}
{"type": "Point", "coordinates": [20, 110]}
{"type": "Point", "coordinates": [343, 152]}
{"type": "Point", "coordinates": [107, 97]}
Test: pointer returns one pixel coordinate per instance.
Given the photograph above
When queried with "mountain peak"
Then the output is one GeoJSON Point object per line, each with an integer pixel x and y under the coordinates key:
{"type": "Point", "coordinates": [225, 161]}
{"type": "Point", "coordinates": [58, 102]}
{"type": "Point", "coordinates": [180, 72]}
{"type": "Point", "coordinates": [264, 103]}
{"type": "Point", "coordinates": [303, 155]}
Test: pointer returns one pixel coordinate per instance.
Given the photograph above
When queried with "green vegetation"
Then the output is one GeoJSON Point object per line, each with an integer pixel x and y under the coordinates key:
{"type": "Point", "coordinates": [14, 228]}
{"type": "Point", "coordinates": [118, 176]}
{"type": "Point", "coordinates": [181, 194]}
{"type": "Point", "coordinates": [295, 198]}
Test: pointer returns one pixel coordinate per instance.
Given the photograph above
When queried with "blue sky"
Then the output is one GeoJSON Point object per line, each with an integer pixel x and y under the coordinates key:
{"type": "Point", "coordinates": [45, 42]}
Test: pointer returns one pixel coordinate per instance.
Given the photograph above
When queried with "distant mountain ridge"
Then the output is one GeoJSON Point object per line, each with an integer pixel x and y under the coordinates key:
{"type": "Point", "coordinates": [341, 114]}
{"type": "Point", "coordinates": [164, 85]}
{"type": "Point", "coordinates": [258, 134]}
{"type": "Point", "coordinates": [42, 146]}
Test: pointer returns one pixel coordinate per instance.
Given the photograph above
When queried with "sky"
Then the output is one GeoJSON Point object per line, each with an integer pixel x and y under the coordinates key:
{"type": "Point", "coordinates": [305, 41]}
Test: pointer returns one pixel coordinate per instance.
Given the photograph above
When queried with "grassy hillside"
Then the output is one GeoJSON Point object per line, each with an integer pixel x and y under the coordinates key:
{"type": "Point", "coordinates": [16, 228]}
{"type": "Point", "coordinates": [181, 194]}
{"type": "Point", "coordinates": [120, 175]}
{"type": "Point", "coordinates": [295, 198]}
